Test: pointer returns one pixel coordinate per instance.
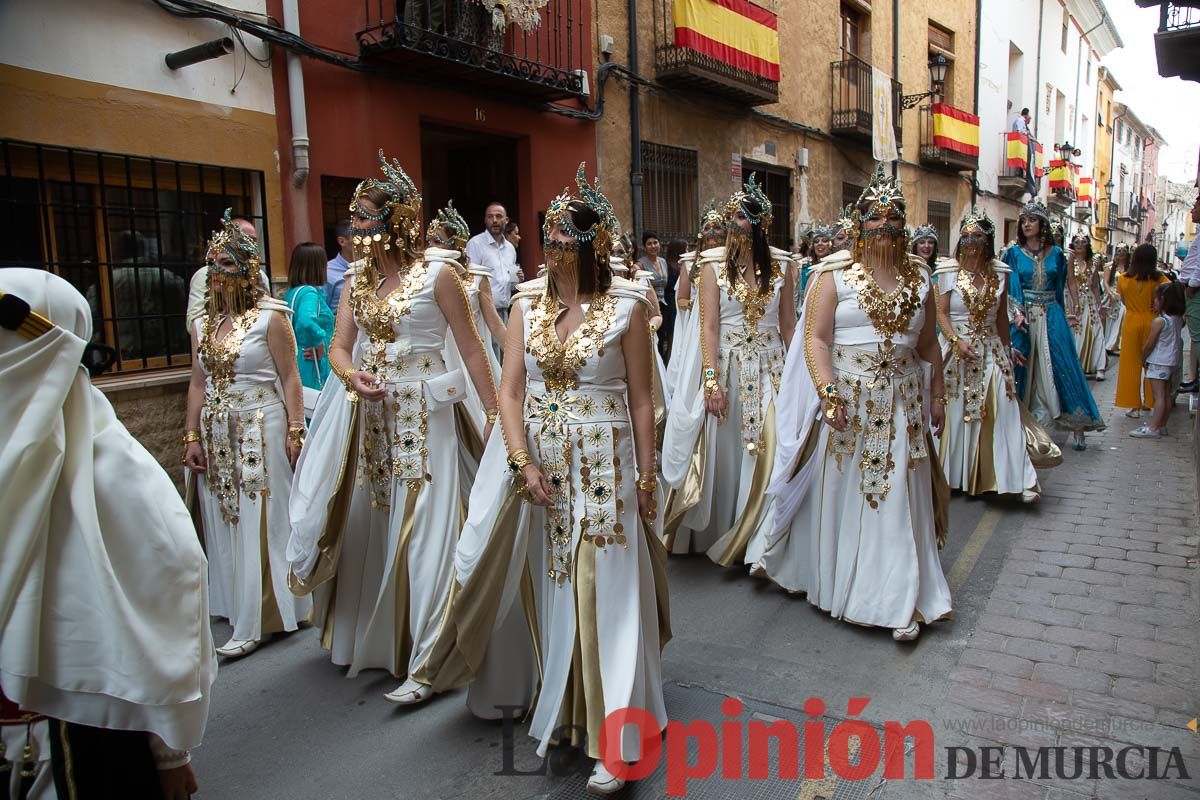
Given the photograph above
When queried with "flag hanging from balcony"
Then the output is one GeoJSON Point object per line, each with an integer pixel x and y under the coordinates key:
{"type": "Point", "coordinates": [1085, 191]}
{"type": "Point", "coordinates": [734, 32]}
{"type": "Point", "coordinates": [955, 130]}
{"type": "Point", "coordinates": [1016, 149]}
{"type": "Point", "coordinates": [1039, 167]}
{"type": "Point", "coordinates": [1061, 175]}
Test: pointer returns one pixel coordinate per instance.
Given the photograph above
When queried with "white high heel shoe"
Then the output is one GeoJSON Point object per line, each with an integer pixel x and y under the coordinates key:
{"type": "Point", "coordinates": [603, 781]}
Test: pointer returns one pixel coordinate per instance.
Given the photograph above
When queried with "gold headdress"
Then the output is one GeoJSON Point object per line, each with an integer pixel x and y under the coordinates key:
{"type": "Point", "coordinates": [231, 240]}
{"type": "Point", "coordinates": [600, 234]}
{"type": "Point", "coordinates": [750, 192]}
{"type": "Point", "coordinates": [883, 196]}
{"type": "Point", "coordinates": [712, 221]}
{"type": "Point", "coordinates": [400, 214]}
{"type": "Point", "coordinates": [449, 219]}
{"type": "Point", "coordinates": [978, 217]}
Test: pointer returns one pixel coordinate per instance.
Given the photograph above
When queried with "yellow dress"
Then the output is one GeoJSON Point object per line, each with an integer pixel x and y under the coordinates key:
{"type": "Point", "coordinates": [1139, 313]}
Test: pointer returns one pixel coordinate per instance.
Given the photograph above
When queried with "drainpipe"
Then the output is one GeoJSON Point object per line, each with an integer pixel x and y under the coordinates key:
{"type": "Point", "coordinates": [896, 74]}
{"type": "Point", "coordinates": [975, 107]}
{"type": "Point", "coordinates": [295, 80]}
{"type": "Point", "coordinates": [635, 125]}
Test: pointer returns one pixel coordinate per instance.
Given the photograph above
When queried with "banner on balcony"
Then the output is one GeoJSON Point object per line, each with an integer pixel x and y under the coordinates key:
{"type": "Point", "coordinates": [955, 130]}
{"type": "Point", "coordinates": [1062, 175]}
{"type": "Point", "coordinates": [883, 132]}
{"type": "Point", "coordinates": [1017, 150]}
{"type": "Point", "coordinates": [1039, 167]}
{"type": "Point", "coordinates": [734, 32]}
{"type": "Point", "coordinates": [1085, 191]}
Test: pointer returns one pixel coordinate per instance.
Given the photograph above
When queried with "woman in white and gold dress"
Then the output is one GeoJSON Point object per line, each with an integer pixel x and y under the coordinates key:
{"type": "Point", "coordinates": [711, 234]}
{"type": "Point", "coordinates": [1114, 308]}
{"type": "Point", "coordinates": [560, 572]}
{"type": "Point", "coordinates": [1088, 325]}
{"type": "Point", "coordinates": [377, 501]}
{"type": "Point", "coordinates": [447, 238]}
{"type": "Point", "coordinates": [983, 446]}
{"type": "Point", "coordinates": [857, 517]}
{"type": "Point", "coordinates": [245, 428]}
{"type": "Point", "coordinates": [719, 443]}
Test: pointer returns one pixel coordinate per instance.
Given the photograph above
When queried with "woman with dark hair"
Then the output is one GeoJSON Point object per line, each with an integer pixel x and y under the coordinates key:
{"type": "Point", "coordinates": [859, 499]}
{"type": "Point", "coordinates": [1115, 316]}
{"type": "Point", "coordinates": [1049, 376]}
{"type": "Point", "coordinates": [1085, 319]}
{"type": "Point", "coordinates": [1136, 286]}
{"type": "Point", "coordinates": [312, 319]}
{"type": "Point", "coordinates": [245, 429]}
{"type": "Point", "coordinates": [560, 573]}
{"type": "Point", "coordinates": [925, 244]}
{"type": "Point", "coordinates": [984, 444]}
{"type": "Point", "coordinates": [377, 502]}
{"type": "Point", "coordinates": [718, 467]}
{"type": "Point", "coordinates": [666, 337]}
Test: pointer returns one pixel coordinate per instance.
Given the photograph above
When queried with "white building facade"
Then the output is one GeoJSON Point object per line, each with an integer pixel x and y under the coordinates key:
{"type": "Point", "coordinates": [1034, 54]}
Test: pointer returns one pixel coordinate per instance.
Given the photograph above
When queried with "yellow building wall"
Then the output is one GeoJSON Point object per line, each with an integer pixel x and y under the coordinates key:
{"type": "Point", "coordinates": [1104, 142]}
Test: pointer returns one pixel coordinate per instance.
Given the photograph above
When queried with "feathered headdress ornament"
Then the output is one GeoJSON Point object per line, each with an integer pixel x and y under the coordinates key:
{"type": "Point", "coordinates": [750, 193]}
{"type": "Point", "coordinates": [231, 240]}
{"type": "Point", "coordinates": [602, 232]}
{"type": "Point", "coordinates": [401, 212]}
{"type": "Point", "coordinates": [448, 219]}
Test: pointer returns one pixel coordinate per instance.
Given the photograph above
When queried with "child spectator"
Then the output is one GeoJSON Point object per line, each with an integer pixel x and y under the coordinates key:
{"type": "Point", "coordinates": [1160, 355]}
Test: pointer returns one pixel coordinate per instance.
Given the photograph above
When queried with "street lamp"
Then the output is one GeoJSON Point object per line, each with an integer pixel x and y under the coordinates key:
{"type": "Point", "coordinates": [938, 66]}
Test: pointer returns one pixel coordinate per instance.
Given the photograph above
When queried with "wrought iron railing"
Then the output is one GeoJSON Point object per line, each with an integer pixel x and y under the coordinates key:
{"type": "Point", "coordinates": [938, 154]}
{"type": "Point", "coordinates": [853, 95]}
{"type": "Point", "coordinates": [456, 40]}
{"type": "Point", "coordinates": [684, 66]}
{"type": "Point", "coordinates": [1016, 168]}
{"type": "Point", "coordinates": [1177, 16]}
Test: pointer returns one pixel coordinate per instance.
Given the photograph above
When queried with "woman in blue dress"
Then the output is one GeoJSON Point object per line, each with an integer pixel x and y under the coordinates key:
{"type": "Point", "coordinates": [312, 319]}
{"type": "Point", "coordinates": [1048, 373]}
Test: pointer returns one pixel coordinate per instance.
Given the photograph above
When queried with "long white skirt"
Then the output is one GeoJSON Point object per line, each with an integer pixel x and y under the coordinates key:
{"type": "Point", "coordinates": [866, 557]}
{"type": "Point", "coordinates": [1112, 326]}
{"type": "Point", "coordinates": [247, 563]}
{"type": "Point", "coordinates": [1090, 338]}
{"type": "Point", "coordinates": [988, 452]}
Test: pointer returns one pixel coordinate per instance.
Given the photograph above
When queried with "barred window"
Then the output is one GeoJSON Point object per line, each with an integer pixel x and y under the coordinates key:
{"type": "Point", "coordinates": [938, 214]}
{"type": "Point", "coordinates": [777, 183]}
{"type": "Point", "coordinates": [127, 231]}
{"type": "Point", "coordinates": [670, 191]}
{"type": "Point", "coordinates": [850, 194]}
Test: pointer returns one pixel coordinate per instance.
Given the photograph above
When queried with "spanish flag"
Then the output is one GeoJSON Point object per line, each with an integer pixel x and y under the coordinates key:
{"type": "Point", "coordinates": [955, 130]}
{"type": "Point", "coordinates": [734, 32]}
{"type": "Point", "coordinates": [1085, 190]}
{"type": "Point", "coordinates": [1060, 174]}
{"type": "Point", "coordinates": [1039, 168]}
{"type": "Point", "coordinates": [1017, 150]}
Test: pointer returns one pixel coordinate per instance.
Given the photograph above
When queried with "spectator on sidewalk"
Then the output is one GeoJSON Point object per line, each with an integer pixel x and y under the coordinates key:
{"type": "Point", "coordinates": [1160, 356]}
{"type": "Point", "coordinates": [1136, 287]}
{"type": "Point", "coordinates": [495, 253]}
{"type": "Point", "coordinates": [656, 265]}
{"type": "Point", "coordinates": [512, 232]}
{"type": "Point", "coordinates": [335, 269]}
{"type": "Point", "coordinates": [312, 318]}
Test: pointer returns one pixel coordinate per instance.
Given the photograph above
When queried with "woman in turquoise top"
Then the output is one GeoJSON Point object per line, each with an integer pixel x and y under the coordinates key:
{"type": "Point", "coordinates": [1046, 363]}
{"type": "Point", "coordinates": [312, 319]}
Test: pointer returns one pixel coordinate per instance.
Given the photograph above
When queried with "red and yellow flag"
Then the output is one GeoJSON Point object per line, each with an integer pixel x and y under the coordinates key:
{"type": "Point", "coordinates": [1062, 174]}
{"type": "Point", "coordinates": [1039, 168]}
{"type": "Point", "coordinates": [955, 130]}
{"type": "Point", "coordinates": [1085, 190]}
{"type": "Point", "coordinates": [734, 32]}
{"type": "Point", "coordinates": [1017, 149]}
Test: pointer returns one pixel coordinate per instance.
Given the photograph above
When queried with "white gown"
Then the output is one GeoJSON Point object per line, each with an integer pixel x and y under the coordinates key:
{"type": "Point", "coordinates": [982, 448]}
{"type": "Point", "coordinates": [855, 511]}
{"type": "Point", "coordinates": [718, 470]}
{"type": "Point", "coordinates": [1090, 338]}
{"type": "Point", "coordinates": [242, 498]}
{"type": "Point", "coordinates": [377, 500]}
{"type": "Point", "coordinates": [1115, 317]}
{"type": "Point", "coordinates": [576, 592]}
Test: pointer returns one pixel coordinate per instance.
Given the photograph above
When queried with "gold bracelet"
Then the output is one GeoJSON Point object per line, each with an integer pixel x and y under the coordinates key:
{"type": "Point", "coordinates": [343, 375]}
{"type": "Point", "coordinates": [492, 415]}
{"type": "Point", "coordinates": [190, 436]}
{"type": "Point", "coordinates": [295, 434]}
{"type": "Point", "coordinates": [518, 461]}
{"type": "Point", "coordinates": [647, 485]}
{"type": "Point", "coordinates": [711, 382]}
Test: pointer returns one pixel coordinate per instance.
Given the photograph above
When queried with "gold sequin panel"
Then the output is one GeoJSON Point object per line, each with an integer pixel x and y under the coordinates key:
{"type": "Point", "coordinates": [878, 378]}
{"type": "Point", "coordinates": [759, 357]}
{"type": "Point", "coordinates": [232, 434]}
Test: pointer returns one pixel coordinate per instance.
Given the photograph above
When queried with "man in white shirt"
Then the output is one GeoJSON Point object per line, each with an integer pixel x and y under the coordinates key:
{"type": "Point", "coordinates": [1021, 123]}
{"type": "Point", "coordinates": [198, 289]}
{"type": "Point", "coordinates": [335, 269]}
{"type": "Point", "coordinates": [493, 251]}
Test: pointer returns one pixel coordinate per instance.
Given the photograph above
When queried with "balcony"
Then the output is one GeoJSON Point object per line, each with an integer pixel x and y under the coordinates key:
{"type": "Point", "coordinates": [1013, 174]}
{"type": "Point", "coordinates": [453, 42]}
{"type": "Point", "coordinates": [852, 106]}
{"type": "Point", "coordinates": [679, 63]}
{"type": "Point", "coordinates": [1177, 40]}
{"type": "Point", "coordinates": [940, 150]}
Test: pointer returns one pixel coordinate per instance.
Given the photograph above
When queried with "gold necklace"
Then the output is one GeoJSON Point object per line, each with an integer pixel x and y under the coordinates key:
{"type": "Point", "coordinates": [890, 312]}
{"type": "Point", "coordinates": [754, 301]}
{"type": "Point", "coordinates": [979, 302]}
{"type": "Point", "coordinates": [560, 361]}
{"type": "Point", "coordinates": [378, 316]}
{"type": "Point", "coordinates": [220, 356]}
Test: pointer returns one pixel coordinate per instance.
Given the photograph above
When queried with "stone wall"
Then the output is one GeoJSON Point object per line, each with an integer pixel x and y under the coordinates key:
{"type": "Point", "coordinates": [155, 415]}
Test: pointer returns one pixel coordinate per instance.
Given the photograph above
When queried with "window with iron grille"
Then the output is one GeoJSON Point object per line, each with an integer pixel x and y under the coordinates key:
{"type": "Point", "coordinates": [777, 183]}
{"type": "Point", "coordinates": [127, 231]}
{"type": "Point", "coordinates": [670, 191]}
{"type": "Point", "coordinates": [939, 217]}
{"type": "Point", "coordinates": [850, 194]}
